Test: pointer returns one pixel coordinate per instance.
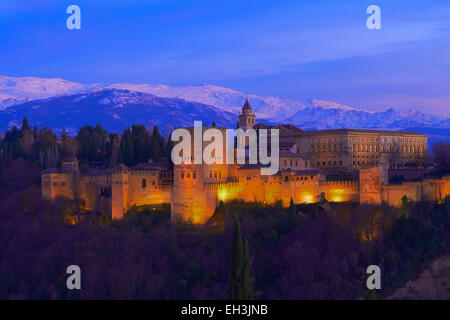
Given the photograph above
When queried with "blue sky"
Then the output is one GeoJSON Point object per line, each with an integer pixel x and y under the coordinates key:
{"type": "Point", "coordinates": [297, 49]}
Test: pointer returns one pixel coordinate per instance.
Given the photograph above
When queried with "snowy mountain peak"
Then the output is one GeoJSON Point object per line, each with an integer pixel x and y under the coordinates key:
{"type": "Point", "coordinates": [312, 113]}
{"type": "Point", "coordinates": [330, 105]}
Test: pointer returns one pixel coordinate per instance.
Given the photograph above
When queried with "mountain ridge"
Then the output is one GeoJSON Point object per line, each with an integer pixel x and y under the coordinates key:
{"type": "Point", "coordinates": [114, 109]}
{"type": "Point", "coordinates": [307, 114]}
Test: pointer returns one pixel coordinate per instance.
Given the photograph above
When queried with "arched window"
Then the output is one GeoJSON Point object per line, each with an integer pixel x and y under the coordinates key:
{"type": "Point", "coordinates": [144, 183]}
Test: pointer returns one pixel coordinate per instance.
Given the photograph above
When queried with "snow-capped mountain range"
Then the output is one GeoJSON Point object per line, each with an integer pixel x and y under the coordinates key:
{"type": "Point", "coordinates": [115, 110]}
{"type": "Point", "coordinates": [57, 102]}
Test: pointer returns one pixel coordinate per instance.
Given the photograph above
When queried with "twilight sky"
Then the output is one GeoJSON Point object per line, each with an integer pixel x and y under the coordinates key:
{"type": "Point", "coordinates": [297, 49]}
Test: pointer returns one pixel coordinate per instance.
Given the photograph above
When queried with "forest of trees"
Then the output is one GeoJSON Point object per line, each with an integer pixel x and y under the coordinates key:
{"type": "Point", "coordinates": [306, 251]}
{"type": "Point", "coordinates": [93, 146]}
{"type": "Point", "coordinates": [303, 252]}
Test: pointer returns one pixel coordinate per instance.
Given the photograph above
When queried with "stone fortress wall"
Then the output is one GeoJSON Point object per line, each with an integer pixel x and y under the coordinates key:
{"type": "Point", "coordinates": [333, 165]}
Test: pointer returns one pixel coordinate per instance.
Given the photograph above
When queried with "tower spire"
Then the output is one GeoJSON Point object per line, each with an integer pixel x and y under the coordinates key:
{"type": "Point", "coordinates": [247, 116]}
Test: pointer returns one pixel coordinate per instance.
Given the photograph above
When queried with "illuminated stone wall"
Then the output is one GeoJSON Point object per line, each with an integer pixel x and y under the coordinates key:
{"type": "Point", "coordinates": [427, 190]}
{"type": "Point", "coordinates": [145, 187]}
{"type": "Point", "coordinates": [198, 189]}
{"type": "Point", "coordinates": [339, 191]}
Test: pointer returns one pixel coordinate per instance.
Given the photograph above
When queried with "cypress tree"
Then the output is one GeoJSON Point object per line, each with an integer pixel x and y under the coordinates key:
{"type": "Point", "coordinates": [25, 126]}
{"type": "Point", "coordinates": [247, 281]}
{"type": "Point", "coordinates": [156, 149]}
{"type": "Point", "coordinates": [140, 137]}
{"type": "Point", "coordinates": [240, 282]}
{"type": "Point", "coordinates": [35, 133]}
{"type": "Point", "coordinates": [157, 143]}
{"type": "Point", "coordinates": [126, 149]}
{"type": "Point", "coordinates": [292, 216]}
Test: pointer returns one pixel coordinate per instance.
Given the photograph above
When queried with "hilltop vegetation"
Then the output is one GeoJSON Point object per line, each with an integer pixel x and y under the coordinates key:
{"type": "Point", "coordinates": [318, 251]}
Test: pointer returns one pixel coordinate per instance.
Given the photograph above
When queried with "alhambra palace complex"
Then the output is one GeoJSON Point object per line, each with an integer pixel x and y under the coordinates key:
{"type": "Point", "coordinates": [333, 165]}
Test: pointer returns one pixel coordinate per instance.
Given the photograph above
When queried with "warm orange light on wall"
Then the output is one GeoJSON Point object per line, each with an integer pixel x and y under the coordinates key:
{"type": "Point", "coordinates": [336, 195]}
{"type": "Point", "coordinates": [222, 194]}
{"type": "Point", "coordinates": [308, 198]}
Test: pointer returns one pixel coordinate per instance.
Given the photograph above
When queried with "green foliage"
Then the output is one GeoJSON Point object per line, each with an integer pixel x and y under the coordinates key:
{"type": "Point", "coordinates": [11, 142]}
{"type": "Point", "coordinates": [240, 283]}
{"type": "Point", "coordinates": [126, 151]}
{"type": "Point", "coordinates": [137, 145]}
{"type": "Point", "coordinates": [157, 144]}
{"type": "Point", "coordinates": [92, 143]}
{"type": "Point", "coordinates": [140, 138]}
{"type": "Point", "coordinates": [407, 206]}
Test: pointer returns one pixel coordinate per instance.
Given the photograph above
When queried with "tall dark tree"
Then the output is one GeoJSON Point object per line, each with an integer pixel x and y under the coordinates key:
{"type": "Point", "coordinates": [12, 142]}
{"type": "Point", "coordinates": [35, 132]}
{"type": "Point", "coordinates": [157, 143]}
{"type": "Point", "coordinates": [112, 149]}
{"type": "Point", "coordinates": [69, 147]}
{"type": "Point", "coordinates": [46, 147]}
{"type": "Point", "coordinates": [25, 125]}
{"type": "Point", "coordinates": [240, 281]}
{"type": "Point", "coordinates": [140, 137]}
{"type": "Point", "coordinates": [126, 149]}
{"type": "Point", "coordinates": [92, 143]}
{"type": "Point", "coordinates": [291, 221]}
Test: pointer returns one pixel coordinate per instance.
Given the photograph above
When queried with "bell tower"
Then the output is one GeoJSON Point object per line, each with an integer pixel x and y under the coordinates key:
{"type": "Point", "coordinates": [247, 117]}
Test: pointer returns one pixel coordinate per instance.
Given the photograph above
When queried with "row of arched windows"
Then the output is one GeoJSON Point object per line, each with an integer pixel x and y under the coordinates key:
{"type": "Point", "coordinates": [388, 148]}
{"type": "Point", "coordinates": [326, 148]}
{"type": "Point", "coordinates": [369, 148]}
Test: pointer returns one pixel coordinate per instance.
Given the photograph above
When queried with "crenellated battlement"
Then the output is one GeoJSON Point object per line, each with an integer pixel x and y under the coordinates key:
{"type": "Point", "coordinates": [342, 183]}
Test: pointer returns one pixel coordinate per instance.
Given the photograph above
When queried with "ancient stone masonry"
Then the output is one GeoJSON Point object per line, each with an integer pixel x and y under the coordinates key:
{"type": "Point", "coordinates": [333, 165]}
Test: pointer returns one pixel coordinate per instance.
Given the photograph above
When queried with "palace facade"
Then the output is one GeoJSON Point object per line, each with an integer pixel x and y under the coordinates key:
{"type": "Point", "coordinates": [334, 165]}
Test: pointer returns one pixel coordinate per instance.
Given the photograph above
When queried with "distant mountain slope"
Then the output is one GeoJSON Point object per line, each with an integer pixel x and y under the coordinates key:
{"type": "Point", "coordinates": [307, 114]}
{"type": "Point", "coordinates": [115, 110]}
{"type": "Point", "coordinates": [14, 90]}
{"type": "Point", "coordinates": [320, 118]}
{"type": "Point", "coordinates": [275, 108]}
